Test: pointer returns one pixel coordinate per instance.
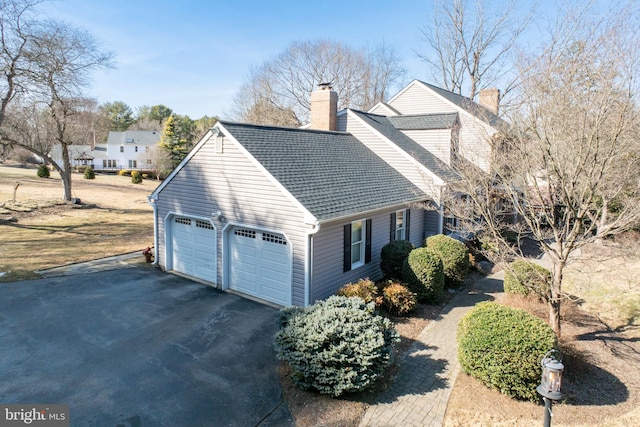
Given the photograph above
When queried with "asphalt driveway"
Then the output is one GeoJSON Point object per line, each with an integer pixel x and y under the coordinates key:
{"type": "Point", "coordinates": [138, 347]}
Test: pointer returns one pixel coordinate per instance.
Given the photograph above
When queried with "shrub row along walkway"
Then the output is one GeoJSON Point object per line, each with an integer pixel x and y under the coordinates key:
{"type": "Point", "coordinates": [419, 394]}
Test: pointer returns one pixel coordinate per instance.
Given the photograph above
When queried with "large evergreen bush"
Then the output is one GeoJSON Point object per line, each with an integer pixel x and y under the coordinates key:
{"type": "Point", "coordinates": [522, 277]}
{"type": "Point", "coordinates": [422, 271]}
{"type": "Point", "coordinates": [502, 347]}
{"type": "Point", "coordinates": [392, 258]}
{"type": "Point", "coordinates": [336, 346]}
{"type": "Point", "coordinates": [454, 256]}
{"type": "Point", "coordinates": [136, 177]}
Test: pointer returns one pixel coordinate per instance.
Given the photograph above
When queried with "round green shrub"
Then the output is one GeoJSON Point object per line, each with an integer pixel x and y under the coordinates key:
{"type": "Point", "coordinates": [43, 171]}
{"type": "Point", "coordinates": [392, 258]}
{"type": "Point", "coordinates": [522, 277]}
{"type": "Point", "coordinates": [398, 299]}
{"type": "Point", "coordinates": [89, 173]}
{"type": "Point", "coordinates": [502, 347]}
{"type": "Point", "coordinates": [136, 177]}
{"type": "Point", "coordinates": [454, 255]}
{"type": "Point", "coordinates": [363, 288]}
{"type": "Point", "coordinates": [422, 271]}
{"type": "Point", "coordinates": [336, 346]}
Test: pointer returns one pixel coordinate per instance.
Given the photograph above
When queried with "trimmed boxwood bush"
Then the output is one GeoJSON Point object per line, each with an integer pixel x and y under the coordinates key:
{"type": "Point", "coordinates": [363, 288]}
{"type": "Point", "coordinates": [43, 171]}
{"type": "Point", "coordinates": [522, 277]}
{"type": "Point", "coordinates": [136, 177]}
{"type": "Point", "coordinates": [502, 347]}
{"type": "Point", "coordinates": [422, 271]}
{"type": "Point", "coordinates": [392, 258]}
{"type": "Point", "coordinates": [124, 172]}
{"type": "Point", "coordinates": [398, 299]}
{"type": "Point", "coordinates": [336, 346]}
{"type": "Point", "coordinates": [89, 173]}
{"type": "Point", "coordinates": [454, 256]}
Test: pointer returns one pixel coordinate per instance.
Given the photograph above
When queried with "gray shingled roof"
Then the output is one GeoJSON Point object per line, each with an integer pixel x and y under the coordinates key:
{"type": "Point", "coordinates": [331, 173]}
{"type": "Point", "coordinates": [424, 121]}
{"type": "Point", "coordinates": [469, 105]}
{"type": "Point", "coordinates": [383, 125]}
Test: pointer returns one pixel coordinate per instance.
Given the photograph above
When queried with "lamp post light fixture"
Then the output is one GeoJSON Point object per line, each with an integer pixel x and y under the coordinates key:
{"type": "Point", "coordinates": [549, 387]}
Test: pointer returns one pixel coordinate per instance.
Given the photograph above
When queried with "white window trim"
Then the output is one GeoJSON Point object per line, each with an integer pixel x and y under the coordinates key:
{"type": "Point", "coordinates": [361, 242]}
{"type": "Point", "coordinates": [403, 229]}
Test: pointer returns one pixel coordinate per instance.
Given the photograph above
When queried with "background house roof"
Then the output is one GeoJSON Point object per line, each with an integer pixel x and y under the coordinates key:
{"type": "Point", "coordinates": [424, 121]}
{"type": "Point", "coordinates": [140, 137]}
{"type": "Point", "coordinates": [331, 174]}
{"type": "Point", "coordinates": [468, 105]}
{"type": "Point", "coordinates": [427, 159]}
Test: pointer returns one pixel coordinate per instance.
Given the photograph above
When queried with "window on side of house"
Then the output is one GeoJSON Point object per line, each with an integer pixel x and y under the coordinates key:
{"type": "Point", "coordinates": [122, 148]}
{"type": "Point", "coordinates": [133, 163]}
{"type": "Point", "coordinates": [400, 225]}
{"type": "Point", "coordinates": [136, 148]}
{"type": "Point", "coordinates": [357, 244]}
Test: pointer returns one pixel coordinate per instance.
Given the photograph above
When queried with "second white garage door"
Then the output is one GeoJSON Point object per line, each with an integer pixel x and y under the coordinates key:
{"type": "Point", "coordinates": [260, 265]}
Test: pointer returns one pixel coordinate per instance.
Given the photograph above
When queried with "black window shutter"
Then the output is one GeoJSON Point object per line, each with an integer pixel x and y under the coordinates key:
{"type": "Point", "coordinates": [407, 218]}
{"type": "Point", "coordinates": [367, 243]}
{"type": "Point", "coordinates": [346, 264]}
{"type": "Point", "coordinates": [392, 235]}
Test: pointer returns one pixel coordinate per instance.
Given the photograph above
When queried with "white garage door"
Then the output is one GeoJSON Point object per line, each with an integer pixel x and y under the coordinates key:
{"type": "Point", "coordinates": [260, 265]}
{"type": "Point", "coordinates": [193, 243]}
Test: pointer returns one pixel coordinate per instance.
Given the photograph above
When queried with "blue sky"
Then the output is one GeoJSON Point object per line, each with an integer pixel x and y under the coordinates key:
{"type": "Point", "coordinates": [192, 56]}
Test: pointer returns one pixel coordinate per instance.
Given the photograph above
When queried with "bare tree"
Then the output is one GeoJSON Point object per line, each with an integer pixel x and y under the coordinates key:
{"type": "Point", "coordinates": [47, 62]}
{"type": "Point", "coordinates": [278, 91]}
{"type": "Point", "coordinates": [568, 164]}
{"type": "Point", "coordinates": [468, 47]}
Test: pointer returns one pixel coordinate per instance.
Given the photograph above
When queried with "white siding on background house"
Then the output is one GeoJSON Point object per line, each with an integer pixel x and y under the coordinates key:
{"type": "Point", "coordinates": [417, 99]}
{"type": "Point", "coordinates": [437, 141]}
{"type": "Point", "coordinates": [474, 133]}
{"type": "Point", "coordinates": [231, 183]}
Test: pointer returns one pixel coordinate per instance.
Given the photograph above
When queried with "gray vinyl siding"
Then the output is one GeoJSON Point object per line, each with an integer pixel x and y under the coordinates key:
{"type": "Point", "coordinates": [391, 155]}
{"type": "Point", "coordinates": [431, 223]}
{"type": "Point", "coordinates": [328, 274]}
{"type": "Point", "coordinates": [231, 183]}
{"type": "Point", "coordinates": [416, 227]}
{"type": "Point", "coordinates": [437, 141]}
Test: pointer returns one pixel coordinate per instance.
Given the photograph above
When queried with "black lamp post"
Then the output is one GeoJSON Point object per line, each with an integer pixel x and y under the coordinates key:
{"type": "Point", "coordinates": [549, 388]}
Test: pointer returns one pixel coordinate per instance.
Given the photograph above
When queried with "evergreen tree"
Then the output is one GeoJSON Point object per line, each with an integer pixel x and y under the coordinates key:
{"type": "Point", "coordinates": [170, 141]}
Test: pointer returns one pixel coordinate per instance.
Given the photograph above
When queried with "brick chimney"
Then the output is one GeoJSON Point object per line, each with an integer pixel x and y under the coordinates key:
{"type": "Point", "coordinates": [490, 99]}
{"type": "Point", "coordinates": [324, 107]}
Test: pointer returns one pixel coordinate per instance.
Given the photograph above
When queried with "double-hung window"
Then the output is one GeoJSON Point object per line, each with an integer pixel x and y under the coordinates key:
{"type": "Point", "coordinates": [400, 225]}
{"type": "Point", "coordinates": [357, 244]}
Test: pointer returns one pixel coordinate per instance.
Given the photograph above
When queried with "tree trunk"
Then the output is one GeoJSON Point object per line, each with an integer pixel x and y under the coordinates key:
{"type": "Point", "coordinates": [65, 172]}
{"type": "Point", "coordinates": [554, 301]}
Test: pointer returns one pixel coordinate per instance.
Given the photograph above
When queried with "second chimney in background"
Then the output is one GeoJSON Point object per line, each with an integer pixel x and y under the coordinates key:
{"type": "Point", "coordinates": [324, 107]}
{"type": "Point", "coordinates": [490, 99]}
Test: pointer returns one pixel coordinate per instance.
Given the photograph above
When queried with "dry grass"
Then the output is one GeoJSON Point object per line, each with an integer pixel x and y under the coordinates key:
{"type": "Point", "coordinates": [40, 231]}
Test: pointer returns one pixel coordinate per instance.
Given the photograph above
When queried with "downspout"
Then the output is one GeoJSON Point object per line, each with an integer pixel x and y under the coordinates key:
{"type": "Point", "coordinates": [441, 219]}
{"type": "Point", "coordinates": [152, 202]}
{"type": "Point", "coordinates": [308, 265]}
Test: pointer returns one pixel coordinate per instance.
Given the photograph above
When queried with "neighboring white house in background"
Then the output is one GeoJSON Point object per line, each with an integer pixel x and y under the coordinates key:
{"type": "Point", "coordinates": [130, 150]}
{"type": "Point", "coordinates": [289, 215]}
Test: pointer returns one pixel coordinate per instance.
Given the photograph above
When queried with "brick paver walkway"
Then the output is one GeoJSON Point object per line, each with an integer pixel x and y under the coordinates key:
{"type": "Point", "coordinates": [420, 392]}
